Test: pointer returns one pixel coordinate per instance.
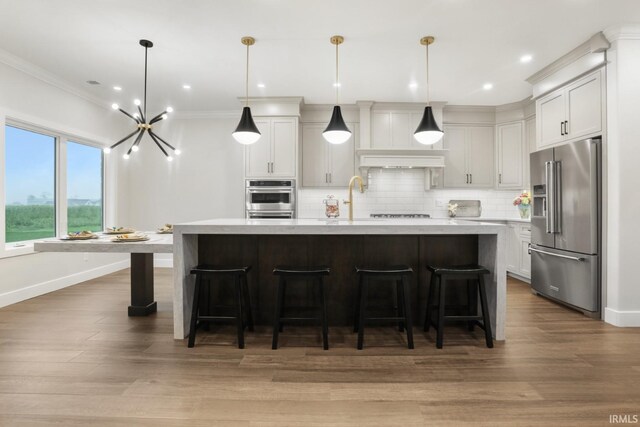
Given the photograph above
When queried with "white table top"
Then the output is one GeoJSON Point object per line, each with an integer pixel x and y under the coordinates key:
{"type": "Point", "coordinates": [157, 243]}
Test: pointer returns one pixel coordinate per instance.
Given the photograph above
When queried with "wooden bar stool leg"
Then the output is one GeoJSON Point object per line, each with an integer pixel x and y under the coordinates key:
{"type": "Point", "coordinates": [325, 323]}
{"type": "Point", "coordinates": [472, 302]}
{"type": "Point", "coordinates": [284, 296]}
{"type": "Point", "coordinates": [356, 312]}
{"type": "Point", "coordinates": [278, 313]}
{"type": "Point", "coordinates": [399, 304]}
{"type": "Point", "coordinates": [441, 290]}
{"type": "Point", "coordinates": [239, 315]}
{"type": "Point", "coordinates": [247, 302]}
{"type": "Point", "coordinates": [362, 311]}
{"type": "Point", "coordinates": [432, 290]}
{"type": "Point", "coordinates": [406, 310]}
{"type": "Point", "coordinates": [194, 311]}
{"type": "Point", "coordinates": [485, 312]}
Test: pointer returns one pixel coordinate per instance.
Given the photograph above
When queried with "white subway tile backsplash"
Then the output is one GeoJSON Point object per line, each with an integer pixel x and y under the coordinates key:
{"type": "Point", "coordinates": [402, 191]}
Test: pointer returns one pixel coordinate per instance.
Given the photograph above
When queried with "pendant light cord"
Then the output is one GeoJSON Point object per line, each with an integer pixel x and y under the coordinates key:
{"type": "Point", "coordinates": [145, 80]}
{"type": "Point", "coordinates": [337, 81]}
{"type": "Point", "coordinates": [246, 84]}
{"type": "Point", "coordinates": [427, 50]}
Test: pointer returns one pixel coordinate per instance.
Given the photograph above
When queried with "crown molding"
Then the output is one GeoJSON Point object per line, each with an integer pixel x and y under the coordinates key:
{"type": "Point", "coordinates": [298, 100]}
{"type": "Point", "coordinates": [45, 76]}
{"type": "Point", "coordinates": [328, 107]}
{"type": "Point", "coordinates": [596, 44]}
{"type": "Point", "coordinates": [211, 114]}
{"type": "Point", "coordinates": [470, 108]}
{"type": "Point", "coordinates": [438, 105]}
{"type": "Point", "coordinates": [623, 32]}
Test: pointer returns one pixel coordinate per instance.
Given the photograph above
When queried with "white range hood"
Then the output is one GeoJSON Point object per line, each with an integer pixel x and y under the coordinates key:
{"type": "Point", "coordinates": [431, 161]}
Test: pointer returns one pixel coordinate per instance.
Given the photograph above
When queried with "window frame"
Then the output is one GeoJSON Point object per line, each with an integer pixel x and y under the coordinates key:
{"type": "Point", "coordinates": [60, 182]}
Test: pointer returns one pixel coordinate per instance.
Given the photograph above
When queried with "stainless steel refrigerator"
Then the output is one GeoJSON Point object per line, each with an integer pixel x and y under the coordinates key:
{"type": "Point", "coordinates": [566, 225]}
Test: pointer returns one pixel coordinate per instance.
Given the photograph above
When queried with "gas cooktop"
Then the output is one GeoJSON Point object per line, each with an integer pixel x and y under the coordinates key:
{"type": "Point", "coordinates": [399, 215]}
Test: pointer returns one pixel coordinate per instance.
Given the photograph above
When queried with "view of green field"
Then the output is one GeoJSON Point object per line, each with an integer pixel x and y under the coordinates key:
{"type": "Point", "coordinates": [28, 222]}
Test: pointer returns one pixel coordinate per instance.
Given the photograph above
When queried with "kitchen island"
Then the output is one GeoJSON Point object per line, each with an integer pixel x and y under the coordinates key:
{"type": "Point", "coordinates": [341, 245]}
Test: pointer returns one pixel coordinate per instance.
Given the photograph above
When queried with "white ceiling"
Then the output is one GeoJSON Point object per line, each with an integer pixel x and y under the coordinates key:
{"type": "Point", "coordinates": [197, 42]}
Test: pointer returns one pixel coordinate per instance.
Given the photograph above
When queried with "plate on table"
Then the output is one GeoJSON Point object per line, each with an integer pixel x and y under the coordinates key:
{"type": "Point", "coordinates": [134, 237]}
{"type": "Point", "coordinates": [166, 229]}
{"type": "Point", "coordinates": [80, 235]}
{"type": "Point", "coordinates": [119, 230]}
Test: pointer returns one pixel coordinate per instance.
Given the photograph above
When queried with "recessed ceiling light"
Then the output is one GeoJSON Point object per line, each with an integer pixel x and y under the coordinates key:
{"type": "Point", "coordinates": [487, 86]}
{"type": "Point", "coordinates": [413, 85]}
{"type": "Point", "coordinates": [337, 84]}
{"type": "Point", "coordinates": [186, 86]}
{"type": "Point", "coordinates": [117, 88]}
{"type": "Point", "coordinates": [526, 58]}
{"type": "Point", "coordinates": [261, 85]}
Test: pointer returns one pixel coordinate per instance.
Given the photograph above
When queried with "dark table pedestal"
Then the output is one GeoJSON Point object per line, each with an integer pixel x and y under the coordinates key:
{"type": "Point", "coordinates": [142, 303]}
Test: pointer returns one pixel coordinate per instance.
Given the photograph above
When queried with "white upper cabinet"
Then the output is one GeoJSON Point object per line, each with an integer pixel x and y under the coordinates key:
{"type": "Point", "coordinates": [394, 130]}
{"type": "Point", "coordinates": [510, 147]}
{"type": "Point", "coordinates": [529, 147]}
{"type": "Point", "coordinates": [324, 164]}
{"type": "Point", "coordinates": [571, 112]}
{"type": "Point", "coordinates": [275, 153]}
{"type": "Point", "coordinates": [469, 161]}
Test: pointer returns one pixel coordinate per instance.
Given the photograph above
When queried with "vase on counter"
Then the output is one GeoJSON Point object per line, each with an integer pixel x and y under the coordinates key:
{"type": "Point", "coordinates": [524, 211]}
{"type": "Point", "coordinates": [332, 207]}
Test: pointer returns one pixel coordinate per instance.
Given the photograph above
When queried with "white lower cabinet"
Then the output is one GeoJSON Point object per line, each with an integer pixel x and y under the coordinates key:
{"type": "Point", "coordinates": [518, 258]}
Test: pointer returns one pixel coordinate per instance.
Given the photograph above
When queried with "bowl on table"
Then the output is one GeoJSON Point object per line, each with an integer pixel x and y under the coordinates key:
{"type": "Point", "coordinates": [80, 235]}
{"type": "Point", "coordinates": [131, 237]}
{"type": "Point", "coordinates": [119, 230]}
{"type": "Point", "coordinates": [165, 229]}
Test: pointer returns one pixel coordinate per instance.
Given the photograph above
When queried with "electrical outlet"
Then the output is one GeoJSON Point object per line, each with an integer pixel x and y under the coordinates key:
{"type": "Point", "coordinates": [441, 203]}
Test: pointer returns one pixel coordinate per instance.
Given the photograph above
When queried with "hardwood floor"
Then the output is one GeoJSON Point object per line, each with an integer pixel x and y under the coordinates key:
{"type": "Point", "coordinates": [74, 358]}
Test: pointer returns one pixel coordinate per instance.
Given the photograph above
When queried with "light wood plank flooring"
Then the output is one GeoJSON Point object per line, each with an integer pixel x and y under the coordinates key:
{"type": "Point", "coordinates": [74, 358]}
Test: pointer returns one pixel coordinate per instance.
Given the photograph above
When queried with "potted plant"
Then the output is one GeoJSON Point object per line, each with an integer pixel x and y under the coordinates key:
{"type": "Point", "coordinates": [523, 202]}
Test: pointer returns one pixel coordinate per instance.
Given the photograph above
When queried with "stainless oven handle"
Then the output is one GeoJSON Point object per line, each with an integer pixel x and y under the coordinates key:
{"type": "Point", "coordinates": [262, 190]}
{"type": "Point", "coordinates": [573, 258]}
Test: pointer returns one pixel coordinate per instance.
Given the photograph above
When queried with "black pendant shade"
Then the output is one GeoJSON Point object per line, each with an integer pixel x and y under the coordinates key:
{"type": "Point", "coordinates": [428, 131]}
{"type": "Point", "coordinates": [246, 132]}
{"type": "Point", "coordinates": [337, 131]}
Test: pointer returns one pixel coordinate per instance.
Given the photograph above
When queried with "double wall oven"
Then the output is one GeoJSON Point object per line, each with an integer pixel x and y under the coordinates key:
{"type": "Point", "coordinates": [269, 198]}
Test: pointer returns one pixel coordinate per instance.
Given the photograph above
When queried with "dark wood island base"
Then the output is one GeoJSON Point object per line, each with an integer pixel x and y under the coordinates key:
{"type": "Point", "coordinates": [341, 253]}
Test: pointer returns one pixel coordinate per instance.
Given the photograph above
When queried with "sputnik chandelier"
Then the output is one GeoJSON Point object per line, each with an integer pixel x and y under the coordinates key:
{"type": "Point", "coordinates": [144, 125]}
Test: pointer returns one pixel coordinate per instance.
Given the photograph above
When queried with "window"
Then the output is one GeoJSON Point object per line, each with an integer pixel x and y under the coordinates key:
{"type": "Point", "coordinates": [84, 187]}
{"type": "Point", "coordinates": [53, 184]}
{"type": "Point", "coordinates": [30, 183]}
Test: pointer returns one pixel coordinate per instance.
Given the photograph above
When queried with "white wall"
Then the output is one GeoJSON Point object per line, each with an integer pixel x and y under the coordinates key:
{"type": "Point", "coordinates": [402, 191]}
{"type": "Point", "coordinates": [623, 97]}
{"type": "Point", "coordinates": [29, 99]}
{"type": "Point", "coordinates": [205, 181]}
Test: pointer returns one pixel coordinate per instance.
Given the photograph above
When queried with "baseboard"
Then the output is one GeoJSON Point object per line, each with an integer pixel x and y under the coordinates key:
{"type": "Point", "coordinates": [519, 277]}
{"type": "Point", "coordinates": [38, 289]}
{"type": "Point", "coordinates": [163, 261]}
{"type": "Point", "coordinates": [622, 318]}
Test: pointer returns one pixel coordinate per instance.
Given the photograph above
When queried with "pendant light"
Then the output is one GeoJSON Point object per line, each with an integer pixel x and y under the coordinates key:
{"type": "Point", "coordinates": [428, 132]}
{"type": "Point", "coordinates": [247, 132]}
{"type": "Point", "coordinates": [142, 124]}
{"type": "Point", "coordinates": [337, 131]}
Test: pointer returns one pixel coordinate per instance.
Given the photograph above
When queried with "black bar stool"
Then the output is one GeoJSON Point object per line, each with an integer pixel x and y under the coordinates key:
{"type": "Point", "coordinates": [396, 274]}
{"type": "Point", "coordinates": [474, 274]}
{"type": "Point", "coordinates": [205, 276]}
{"type": "Point", "coordinates": [300, 273]}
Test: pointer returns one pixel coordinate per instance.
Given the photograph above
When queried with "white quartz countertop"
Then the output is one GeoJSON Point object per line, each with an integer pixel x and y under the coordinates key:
{"type": "Point", "coordinates": [337, 226]}
{"type": "Point", "coordinates": [497, 219]}
{"type": "Point", "coordinates": [157, 243]}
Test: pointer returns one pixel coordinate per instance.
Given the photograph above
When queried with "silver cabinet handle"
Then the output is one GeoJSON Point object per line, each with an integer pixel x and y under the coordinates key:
{"type": "Point", "coordinates": [499, 178]}
{"type": "Point", "coordinates": [466, 178]}
{"type": "Point", "coordinates": [573, 258]}
{"type": "Point", "coordinates": [330, 178]}
{"type": "Point", "coordinates": [561, 128]}
{"type": "Point", "coordinates": [566, 127]}
{"type": "Point", "coordinates": [470, 178]}
{"type": "Point", "coordinates": [326, 178]}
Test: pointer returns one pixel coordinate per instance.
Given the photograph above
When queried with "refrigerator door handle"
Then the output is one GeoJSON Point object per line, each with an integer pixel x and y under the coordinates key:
{"type": "Point", "coordinates": [557, 193]}
{"type": "Point", "coordinates": [549, 183]}
{"type": "Point", "coordinates": [573, 258]}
